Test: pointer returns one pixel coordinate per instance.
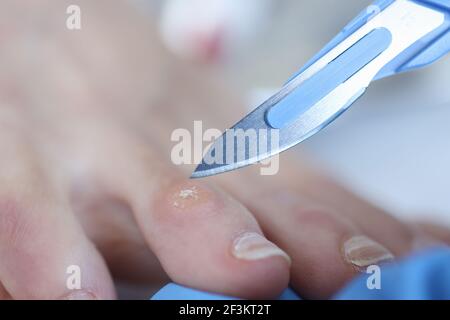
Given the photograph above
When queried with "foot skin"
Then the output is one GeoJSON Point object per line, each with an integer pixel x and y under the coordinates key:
{"type": "Point", "coordinates": [86, 179]}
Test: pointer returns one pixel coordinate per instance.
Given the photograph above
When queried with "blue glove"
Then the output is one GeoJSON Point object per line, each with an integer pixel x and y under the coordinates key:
{"type": "Point", "coordinates": [174, 291]}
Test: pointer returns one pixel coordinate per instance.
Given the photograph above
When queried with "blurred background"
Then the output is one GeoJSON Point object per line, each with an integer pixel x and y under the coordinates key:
{"type": "Point", "coordinates": [392, 147]}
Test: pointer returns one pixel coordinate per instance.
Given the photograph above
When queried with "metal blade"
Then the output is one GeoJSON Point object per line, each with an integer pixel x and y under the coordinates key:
{"type": "Point", "coordinates": [236, 153]}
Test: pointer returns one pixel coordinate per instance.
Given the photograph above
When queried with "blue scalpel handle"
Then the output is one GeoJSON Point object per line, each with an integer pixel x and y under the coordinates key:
{"type": "Point", "coordinates": [423, 51]}
{"type": "Point", "coordinates": [426, 51]}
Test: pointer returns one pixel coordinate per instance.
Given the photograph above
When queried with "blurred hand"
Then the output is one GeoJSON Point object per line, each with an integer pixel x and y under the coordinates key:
{"type": "Point", "coordinates": [86, 178]}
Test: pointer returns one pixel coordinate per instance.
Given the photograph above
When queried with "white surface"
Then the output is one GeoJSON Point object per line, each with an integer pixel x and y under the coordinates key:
{"type": "Point", "coordinates": [210, 29]}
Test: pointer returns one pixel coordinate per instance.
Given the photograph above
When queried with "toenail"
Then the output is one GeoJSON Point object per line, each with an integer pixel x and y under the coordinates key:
{"type": "Point", "coordinates": [253, 246]}
{"type": "Point", "coordinates": [80, 295]}
{"type": "Point", "coordinates": [361, 252]}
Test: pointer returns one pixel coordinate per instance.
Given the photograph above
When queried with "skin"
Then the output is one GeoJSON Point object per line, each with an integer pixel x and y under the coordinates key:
{"type": "Point", "coordinates": [86, 177]}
